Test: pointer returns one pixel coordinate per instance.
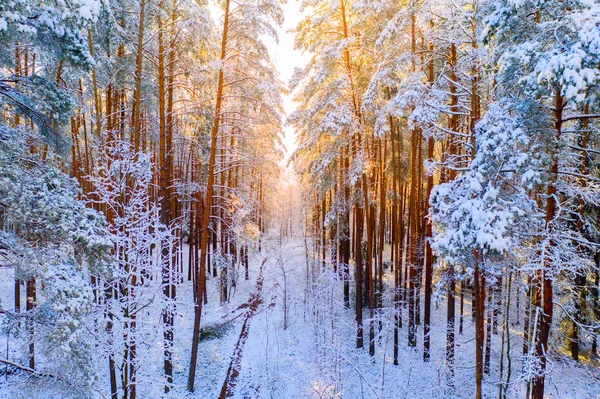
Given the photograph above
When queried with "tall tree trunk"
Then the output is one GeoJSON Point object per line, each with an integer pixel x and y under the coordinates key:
{"type": "Point", "coordinates": [544, 294]}
{"type": "Point", "coordinates": [395, 238]}
{"type": "Point", "coordinates": [97, 96]}
{"type": "Point", "coordinates": [29, 306]}
{"type": "Point", "coordinates": [580, 278]}
{"type": "Point", "coordinates": [382, 218]}
{"type": "Point", "coordinates": [358, 216]}
{"type": "Point", "coordinates": [361, 214]}
{"type": "Point", "coordinates": [429, 232]}
{"type": "Point", "coordinates": [453, 127]}
{"type": "Point", "coordinates": [414, 239]}
{"type": "Point", "coordinates": [527, 316]}
{"type": "Point", "coordinates": [166, 169]}
{"type": "Point", "coordinates": [208, 203]}
{"type": "Point", "coordinates": [112, 367]}
{"type": "Point", "coordinates": [369, 265]}
{"type": "Point", "coordinates": [345, 225]}
{"type": "Point", "coordinates": [462, 306]}
{"type": "Point", "coordinates": [17, 122]}
{"type": "Point", "coordinates": [596, 305]}
{"type": "Point", "coordinates": [488, 333]}
{"type": "Point", "coordinates": [479, 293]}
{"type": "Point", "coordinates": [137, 102]}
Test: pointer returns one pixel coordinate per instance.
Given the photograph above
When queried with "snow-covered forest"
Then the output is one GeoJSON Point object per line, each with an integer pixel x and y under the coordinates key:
{"type": "Point", "coordinates": [301, 199]}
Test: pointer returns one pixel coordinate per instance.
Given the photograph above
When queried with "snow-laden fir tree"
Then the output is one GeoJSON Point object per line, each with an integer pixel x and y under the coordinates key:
{"type": "Point", "coordinates": [54, 243]}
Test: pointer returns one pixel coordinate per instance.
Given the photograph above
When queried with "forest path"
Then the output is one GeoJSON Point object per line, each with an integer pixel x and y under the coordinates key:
{"type": "Point", "coordinates": [278, 355]}
{"type": "Point", "coordinates": [252, 305]}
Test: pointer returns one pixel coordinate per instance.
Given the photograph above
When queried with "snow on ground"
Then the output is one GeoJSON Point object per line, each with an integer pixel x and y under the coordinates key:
{"type": "Point", "coordinates": [315, 355]}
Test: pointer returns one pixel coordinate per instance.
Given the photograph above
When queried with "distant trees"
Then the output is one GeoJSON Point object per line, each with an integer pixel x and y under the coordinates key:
{"type": "Point", "coordinates": [333, 146]}
{"type": "Point", "coordinates": [245, 127]}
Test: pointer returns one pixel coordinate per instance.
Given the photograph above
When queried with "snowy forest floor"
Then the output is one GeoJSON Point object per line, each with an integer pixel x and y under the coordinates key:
{"type": "Point", "coordinates": [312, 354]}
{"type": "Point", "coordinates": [308, 351]}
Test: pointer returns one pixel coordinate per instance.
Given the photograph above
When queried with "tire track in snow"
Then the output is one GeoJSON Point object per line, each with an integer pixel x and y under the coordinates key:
{"type": "Point", "coordinates": [233, 371]}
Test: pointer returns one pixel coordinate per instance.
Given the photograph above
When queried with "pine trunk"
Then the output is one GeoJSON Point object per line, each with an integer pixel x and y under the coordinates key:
{"type": "Point", "coordinates": [208, 205]}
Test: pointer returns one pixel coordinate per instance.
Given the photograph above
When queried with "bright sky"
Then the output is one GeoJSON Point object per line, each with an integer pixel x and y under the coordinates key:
{"type": "Point", "coordinates": [285, 59]}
